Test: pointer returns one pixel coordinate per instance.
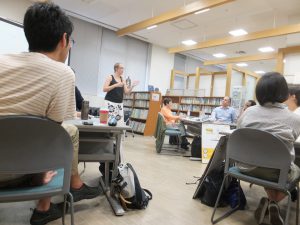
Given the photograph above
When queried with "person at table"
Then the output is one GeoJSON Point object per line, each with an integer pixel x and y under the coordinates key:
{"type": "Point", "coordinates": [172, 121]}
{"type": "Point", "coordinates": [38, 83]}
{"type": "Point", "coordinates": [293, 101]}
{"type": "Point", "coordinates": [115, 87]}
{"type": "Point", "coordinates": [272, 115]}
{"type": "Point", "coordinates": [247, 104]}
{"type": "Point", "coordinates": [224, 113]}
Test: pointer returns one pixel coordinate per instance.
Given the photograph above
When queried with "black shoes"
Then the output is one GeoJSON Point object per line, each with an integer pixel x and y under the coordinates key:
{"type": "Point", "coordinates": [43, 217]}
{"type": "Point", "coordinates": [85, 192]}
{"type": "Point", "coordinates": [184, 146]}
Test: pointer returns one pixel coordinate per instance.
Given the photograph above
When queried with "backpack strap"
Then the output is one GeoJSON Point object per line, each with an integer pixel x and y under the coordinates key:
{"type": "Point", "coordinates": [138, 194]}
{"type": "Point", "coordinates": [149, 194]}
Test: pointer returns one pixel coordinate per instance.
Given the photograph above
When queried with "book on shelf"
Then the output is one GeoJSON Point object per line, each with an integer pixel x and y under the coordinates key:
{"type": "Point", "coordinates": [202, 100]}
{"type": "Point", "coordinates": [129, 96]}
{"type": "Point", "coordinates": [139, 113]}
{"type": "Point", "coordinates": [175, 106]}
{"type": "Point", "coordinates": [128, 103]}
{"type": "Point", "coordinates": [137, 126]}
{"type": "Point", "coordinates": [141, 103]}
{"type": "Point", "coordinates": [145, 96]}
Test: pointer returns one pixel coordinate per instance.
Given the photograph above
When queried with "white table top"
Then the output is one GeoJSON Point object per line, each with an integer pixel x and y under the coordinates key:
{"type": "Point", "coordinates": [96, 125]}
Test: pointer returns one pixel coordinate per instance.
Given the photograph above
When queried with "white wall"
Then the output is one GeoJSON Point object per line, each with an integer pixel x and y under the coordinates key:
{"type": "Point", "coordinates": [205, 84]}
{"type": "Point", "coordinates": [14, 9]}
{"type": "Point", "coordinates": [219, 86]}
{"type": "Point", "coordinates": [292, 68]}
{"type": "Point", "coordinates": [160, 68]}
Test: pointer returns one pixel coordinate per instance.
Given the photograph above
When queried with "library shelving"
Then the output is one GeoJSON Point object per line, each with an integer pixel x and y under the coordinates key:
{"type": "Point", "coordinates": [144, 107]}
{"type": "Point", "coordinates": [183, 104]}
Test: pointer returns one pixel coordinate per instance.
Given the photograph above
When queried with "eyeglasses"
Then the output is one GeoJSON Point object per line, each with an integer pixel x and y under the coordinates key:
{"type": "Point", "coordinates": [72, 42]}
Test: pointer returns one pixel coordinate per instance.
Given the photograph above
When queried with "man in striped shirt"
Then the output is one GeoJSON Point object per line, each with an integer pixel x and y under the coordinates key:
{"type": "Point", "coordinates": [39, 83]}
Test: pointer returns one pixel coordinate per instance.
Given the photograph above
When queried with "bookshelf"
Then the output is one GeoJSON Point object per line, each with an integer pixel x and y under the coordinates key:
{"type": "Point", "coordinates": [181, 104]}
{"type": "Point", "coordinates": [144, 107]}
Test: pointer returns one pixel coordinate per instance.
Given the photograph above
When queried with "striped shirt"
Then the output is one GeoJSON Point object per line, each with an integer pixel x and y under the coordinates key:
{"type": "Point", "coordinates": [34, 84]}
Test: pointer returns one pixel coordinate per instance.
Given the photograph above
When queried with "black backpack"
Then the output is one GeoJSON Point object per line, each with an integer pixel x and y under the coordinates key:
{"type": "Point", "coordinates": [196, 147]}
{"type": "Point", "coordinates": [128, 189]}
{"type": "Point", "coordinates": [210, 188]}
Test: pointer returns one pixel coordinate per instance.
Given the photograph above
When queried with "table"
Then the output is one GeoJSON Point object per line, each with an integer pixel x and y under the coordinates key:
{"type": "Point", "coordinates": [90, 137]}
{"type": "Point", "coordinates": [194, 124]}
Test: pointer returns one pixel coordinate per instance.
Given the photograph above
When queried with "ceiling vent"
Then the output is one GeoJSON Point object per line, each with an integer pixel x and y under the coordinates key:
{"type": "Point", "coordinates": [240, 52]}
{"type": "Point", "coordinates": [89, 1]}
{"type": "Point", "coordinates": [184, 24]}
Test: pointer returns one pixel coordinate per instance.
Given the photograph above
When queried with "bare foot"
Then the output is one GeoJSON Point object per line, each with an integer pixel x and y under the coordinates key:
{"type": "Point", "coordinates": [49, 176]}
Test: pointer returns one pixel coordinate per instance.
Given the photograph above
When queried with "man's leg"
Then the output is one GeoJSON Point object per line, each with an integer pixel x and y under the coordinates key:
{"type": "Point", "coordinates": [78, 189]}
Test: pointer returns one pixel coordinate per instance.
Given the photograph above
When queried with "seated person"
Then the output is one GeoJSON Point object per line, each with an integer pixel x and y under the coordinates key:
{"type": "Point", "coordinates": [39, 83]}
{"type": "Point", "coordinates": [224, 113]}
{"type": "Point", "coordinates": [293, 101]}
{"type": "Point", "coordinates": [248, 104]}
{"type": "Point", "coordinates": [272, 116]}
{"type": "Point", "coordinates": [79, 99]}
{"type": "Point", "coordinates": [171, 121]}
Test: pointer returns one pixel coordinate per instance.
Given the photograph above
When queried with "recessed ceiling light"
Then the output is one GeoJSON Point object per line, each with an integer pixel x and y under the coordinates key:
{"type": "Point", "coordinates": [238, 32]}
{"type": "Point", "coordinates": [189, 42]}
{"type": "Point", "coordinates": [202, 11]}
{"type": "Point", "coordinates": [151, 27]}
{"type": "Point", "coordinates": [259, 72]}
{"type": "Point", "coordinates": [242, 64]}
{"type": "Point", "coordinates": [266, 49]}
{"type": "Point", "coordinates": [219, 55]}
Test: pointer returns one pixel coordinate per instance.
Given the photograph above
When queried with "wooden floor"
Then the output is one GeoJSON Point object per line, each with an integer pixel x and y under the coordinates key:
{"type": "Point", "coordinates": [165, 176]}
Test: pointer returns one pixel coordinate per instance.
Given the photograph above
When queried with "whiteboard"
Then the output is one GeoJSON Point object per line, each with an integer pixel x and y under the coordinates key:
{"type": "Point", "coordinates": [12, 39]}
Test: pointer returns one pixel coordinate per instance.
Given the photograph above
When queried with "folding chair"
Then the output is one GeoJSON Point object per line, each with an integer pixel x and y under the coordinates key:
{"type": "Point", "coordinates": [30, 145]}
{"type": "Point", "coordinates": [254, 147]}
{"type": "Point", "coordinates": [161, 132]}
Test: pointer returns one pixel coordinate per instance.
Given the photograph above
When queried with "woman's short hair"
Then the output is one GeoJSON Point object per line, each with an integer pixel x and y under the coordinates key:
{"type": "Point", "coordinates": [295, 90]}
{"type": "Point", "coordinates": [167, 101]}
{"type": "Point", "coordinates": [271, 87]}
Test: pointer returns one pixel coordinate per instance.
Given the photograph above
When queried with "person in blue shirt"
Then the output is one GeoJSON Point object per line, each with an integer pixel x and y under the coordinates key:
{"type": "Point", "coordinates": [224, 113]}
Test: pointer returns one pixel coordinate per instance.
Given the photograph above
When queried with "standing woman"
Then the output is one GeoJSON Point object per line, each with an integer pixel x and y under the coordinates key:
{"type": "Point", "coordinates": [115, 87]}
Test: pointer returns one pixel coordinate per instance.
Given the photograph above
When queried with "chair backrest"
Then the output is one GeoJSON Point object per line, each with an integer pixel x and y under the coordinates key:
{"type": "Point", "coordinates": [160, 125]}
{"type": "Point", "coordinates": [259, 148]}
{"type": "Point", "coordinates": [32, 145]}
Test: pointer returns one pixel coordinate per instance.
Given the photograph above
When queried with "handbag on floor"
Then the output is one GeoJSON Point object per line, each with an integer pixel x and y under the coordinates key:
{"type": "Point", "coordinates": [127, 188]}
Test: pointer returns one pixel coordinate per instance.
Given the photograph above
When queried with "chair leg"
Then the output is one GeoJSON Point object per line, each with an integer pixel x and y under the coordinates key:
{"type": "Point", "coordinates": [71, 208]}
{"type": "Point", "coordinates": [297, 208]}
{"type": "Point", "coordinates": [286, 221]}
{"type": "Point", "coordinates": [228, 213]}
{"type": "Point", "coordinates": [64, 210]}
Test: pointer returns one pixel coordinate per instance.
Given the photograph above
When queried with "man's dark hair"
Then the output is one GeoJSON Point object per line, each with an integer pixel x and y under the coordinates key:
{"type": "Point", "coordinates": [167, 101]}
{"type": "Point", "coordinates": [271, 87]}
{"type": "Point", "coordinates": [44, 26]}
{"type": "Point", "coordinates": [295, 90]}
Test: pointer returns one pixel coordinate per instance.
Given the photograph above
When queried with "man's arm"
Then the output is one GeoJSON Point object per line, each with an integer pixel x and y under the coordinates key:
{"type": "Point", "coordinates": [213, 115]}
{"type": "Point", "coordinates": [62, 105]}
{"type": "Point", "coordinates": [233, 116]}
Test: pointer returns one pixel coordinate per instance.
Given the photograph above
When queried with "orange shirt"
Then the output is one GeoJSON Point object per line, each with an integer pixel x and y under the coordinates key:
{"type": "Point", "coordinates": [168, 116]}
